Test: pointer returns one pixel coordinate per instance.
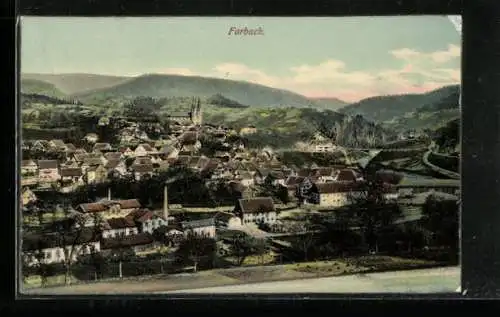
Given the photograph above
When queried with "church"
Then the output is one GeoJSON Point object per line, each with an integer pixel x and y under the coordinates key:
{"type": "Point", "coordinates": [194, 116]}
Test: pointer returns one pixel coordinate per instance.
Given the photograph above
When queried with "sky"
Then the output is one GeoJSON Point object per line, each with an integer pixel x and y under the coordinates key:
{"type": "Point", "coordinates": [349, 58]}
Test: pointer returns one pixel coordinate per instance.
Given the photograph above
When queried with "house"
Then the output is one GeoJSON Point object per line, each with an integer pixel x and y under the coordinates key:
{"type": "Point", "coordinates": [119, 227]}
{"type": "Point", "coordinates": [91, 137]}
{"type": "Point", "coordinates": [116, 168]}
{"type": "Point", "coordinates": [110, 208]}
{"type": "Point", "coordinates": [246, 178]}
{"type": "Point", "coordinates": [49, 248]}
{"type": "Point", "coordinates": [324, 147]}
{"type": "Point", "coordinates": [169, 151]}
{"type": "Point", "coordinates": [142, 160]}
{"type": "Point", "coordinates": [292, 184]}
{"type": "Point", "coordinates": [347, 175]}
{"type": "Point", "coordinates": [69, 174]}
{"type": "Point", "coordinates": [248, 130]}
{"type": "Point", "coordinates": [415, 186]}
{"type": "Point", "coordinates": [91, 159]}
{"type": "Point", "coordinates": [142, 170]}
{"type": "Point", "coordinates": [325, 174]}
{"type": "Point", "coordinates": [70, 148]}
{"type": "Point", "coordinates": [276, 177]}
{"type": "Point", "coordinates": [126, 151]}
{"type": "Point", "coordinates": [96, 174]}
{"type": "Point", "coordinates": [27, 196]}
{"type": "Point", "coordinates": [40, 146]}
{"type": "Point", "coordinates": [48, 171]}
{"type": "Point", "coordinates": [227, 220]}
{"type": "Point", "coordinates": [202, 227]}
{"type": "Point", "coordinates": [28, 168]}
{"type": "Point", "coordinates": [113, 156]}
{"type": "Point", "coordinates": [141, 242]}
{"type": "Point", "coordinates": [256, 210]}
{"type": "Point", "coordinates": [189, 141]}
{"type": "Point", "coordinates": [155, 159]}
{"type": "Point", "coordinates": [146, 220]}
{"type": "Point", "coordinates": [143, 150]}
{"type": "Point", "coordinates": [101, 147]}
{"type": "Point", "coordinates": [57, 145]}
{"type": "Point", "coordinates": [334, 194]}
{"type": "Point", "coordinates": [172, 233]}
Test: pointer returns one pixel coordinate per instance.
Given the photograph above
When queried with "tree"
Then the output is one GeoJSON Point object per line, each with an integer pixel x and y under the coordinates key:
{"type": "Point", "coordinates": [120, 254]}
{"type": "Point", "coordinates": [194, 248]}
{"type": "Point", "coordinates": [306, 241]}
{"type": "Point", "coordinates": [442, 218]}
{"type": "Point", "coordinates": [34, 261]}
{"type": "Point", "coordinates": [243, 245]}
{"type": "Point", "coordinates": [369, 205]}
{"type": "Point", "coordinates": [74, 236]}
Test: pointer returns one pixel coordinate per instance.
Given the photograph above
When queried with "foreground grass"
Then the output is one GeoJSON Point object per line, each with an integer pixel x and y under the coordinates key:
{"type": "Point", "coordinates": [245, 274]}
{"type": "Point", "coordinates": [35, 281]}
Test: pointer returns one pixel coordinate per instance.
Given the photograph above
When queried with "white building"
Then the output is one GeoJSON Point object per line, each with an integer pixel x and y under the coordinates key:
{"type": "Point", "coordinates": [202, 227]}
{"type": "Point", "coordinates": [256, 210]}
{"type": "Point", "coordinates": [48, 249]}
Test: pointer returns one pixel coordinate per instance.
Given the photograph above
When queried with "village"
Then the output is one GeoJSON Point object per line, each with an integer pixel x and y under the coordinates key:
{"type": "Point", "coordinates": [251, 204]}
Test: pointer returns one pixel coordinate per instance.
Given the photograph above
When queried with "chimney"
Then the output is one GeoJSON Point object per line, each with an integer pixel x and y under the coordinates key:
{"type": "Point", "coordinates": [109, 193]}
{"type": "Point", "coordinates": [165, 204]}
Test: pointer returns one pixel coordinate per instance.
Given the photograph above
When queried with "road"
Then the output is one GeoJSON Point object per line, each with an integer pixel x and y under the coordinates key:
{"type": "Point", "coordinates": [441, 280]}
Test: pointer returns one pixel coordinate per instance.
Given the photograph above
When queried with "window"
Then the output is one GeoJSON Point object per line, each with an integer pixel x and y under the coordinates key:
{"type": "Point", "coordinates": [58, 253]}
{"type": "Point", "coordinates": [48, 255]}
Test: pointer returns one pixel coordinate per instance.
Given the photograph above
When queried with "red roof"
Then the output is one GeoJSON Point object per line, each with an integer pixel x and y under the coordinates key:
{"type": "Point", "coordinates": [92, 207]}
{"type": "Point", "coordinates": [140, 215]}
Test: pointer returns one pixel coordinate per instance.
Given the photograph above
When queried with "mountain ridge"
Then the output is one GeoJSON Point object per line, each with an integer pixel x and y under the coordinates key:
{"type": "Point", "coordinates": [387, 108]}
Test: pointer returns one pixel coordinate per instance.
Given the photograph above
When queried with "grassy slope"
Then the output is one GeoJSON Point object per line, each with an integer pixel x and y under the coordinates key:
{"type": "Point", "coordinates": [77, 83]}
{"type": "Point", "coordinates": [330, 103]}
{"type": "Point", "coordinates": [186, 86]}
{"type": "Point", "coordinates": [32, 86]}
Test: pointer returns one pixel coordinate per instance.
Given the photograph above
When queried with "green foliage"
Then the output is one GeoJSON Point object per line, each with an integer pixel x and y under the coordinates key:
{"type": "Point", "coordinates": [221, 101]}
{"type": "Point", "coordinates": [38, 87]}
{"type": "Point", "coordinates": [447, 137]}
{"type": "Point", "coordinates": [442, 218]}
{"type": "Point", "coordinates": [243, 246]}
{"type": "Point", "coordinates": [195, 247]}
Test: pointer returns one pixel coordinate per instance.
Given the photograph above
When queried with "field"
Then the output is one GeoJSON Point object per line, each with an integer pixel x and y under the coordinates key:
{"type": "Point", "coordinates": [231, 276]}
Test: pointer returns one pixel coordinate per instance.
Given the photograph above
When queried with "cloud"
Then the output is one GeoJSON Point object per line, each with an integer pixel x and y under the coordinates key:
{"type": "Point", "coordinates": [178, 71]}
{"type": "Point", "coordinates": [453, 51]}
{"type": "Point", "coordinates": [421, 72]}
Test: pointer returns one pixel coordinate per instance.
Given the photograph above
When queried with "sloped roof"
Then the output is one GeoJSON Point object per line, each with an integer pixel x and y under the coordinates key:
{"type": "Point", "coordinates": [71, 172]}
{"type": "Point", "coordinates": [256, 205]}
{"type": "Point", "coordinates": [47, 164]}
{"type": "Point", "coordinates": [127, 241]}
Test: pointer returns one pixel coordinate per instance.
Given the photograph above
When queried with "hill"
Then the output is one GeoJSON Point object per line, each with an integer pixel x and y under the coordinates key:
{"type": "Point", "coordinates": [282, 127]}
{"type": "Point", "coordinates": [329, 103]}
{"type": "Point", "coordinates": [387, 108]}
{"type": "Point", "coordinates": [221, 101]}
{"type": "Point", "coordinates": [77, 83]}
{"type": "Point", "coordinates": [160, 86]}
{"type": "Point", "coordinates": [38, 87]}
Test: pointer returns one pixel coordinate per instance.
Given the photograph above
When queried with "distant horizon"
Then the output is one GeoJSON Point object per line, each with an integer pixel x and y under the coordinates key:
{"type": "Point", "coordinates": [349, 58]}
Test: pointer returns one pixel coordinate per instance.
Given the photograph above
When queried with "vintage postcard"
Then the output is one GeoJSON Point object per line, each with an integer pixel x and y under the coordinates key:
{"type": "Point", "coordinates": [239, 155]}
